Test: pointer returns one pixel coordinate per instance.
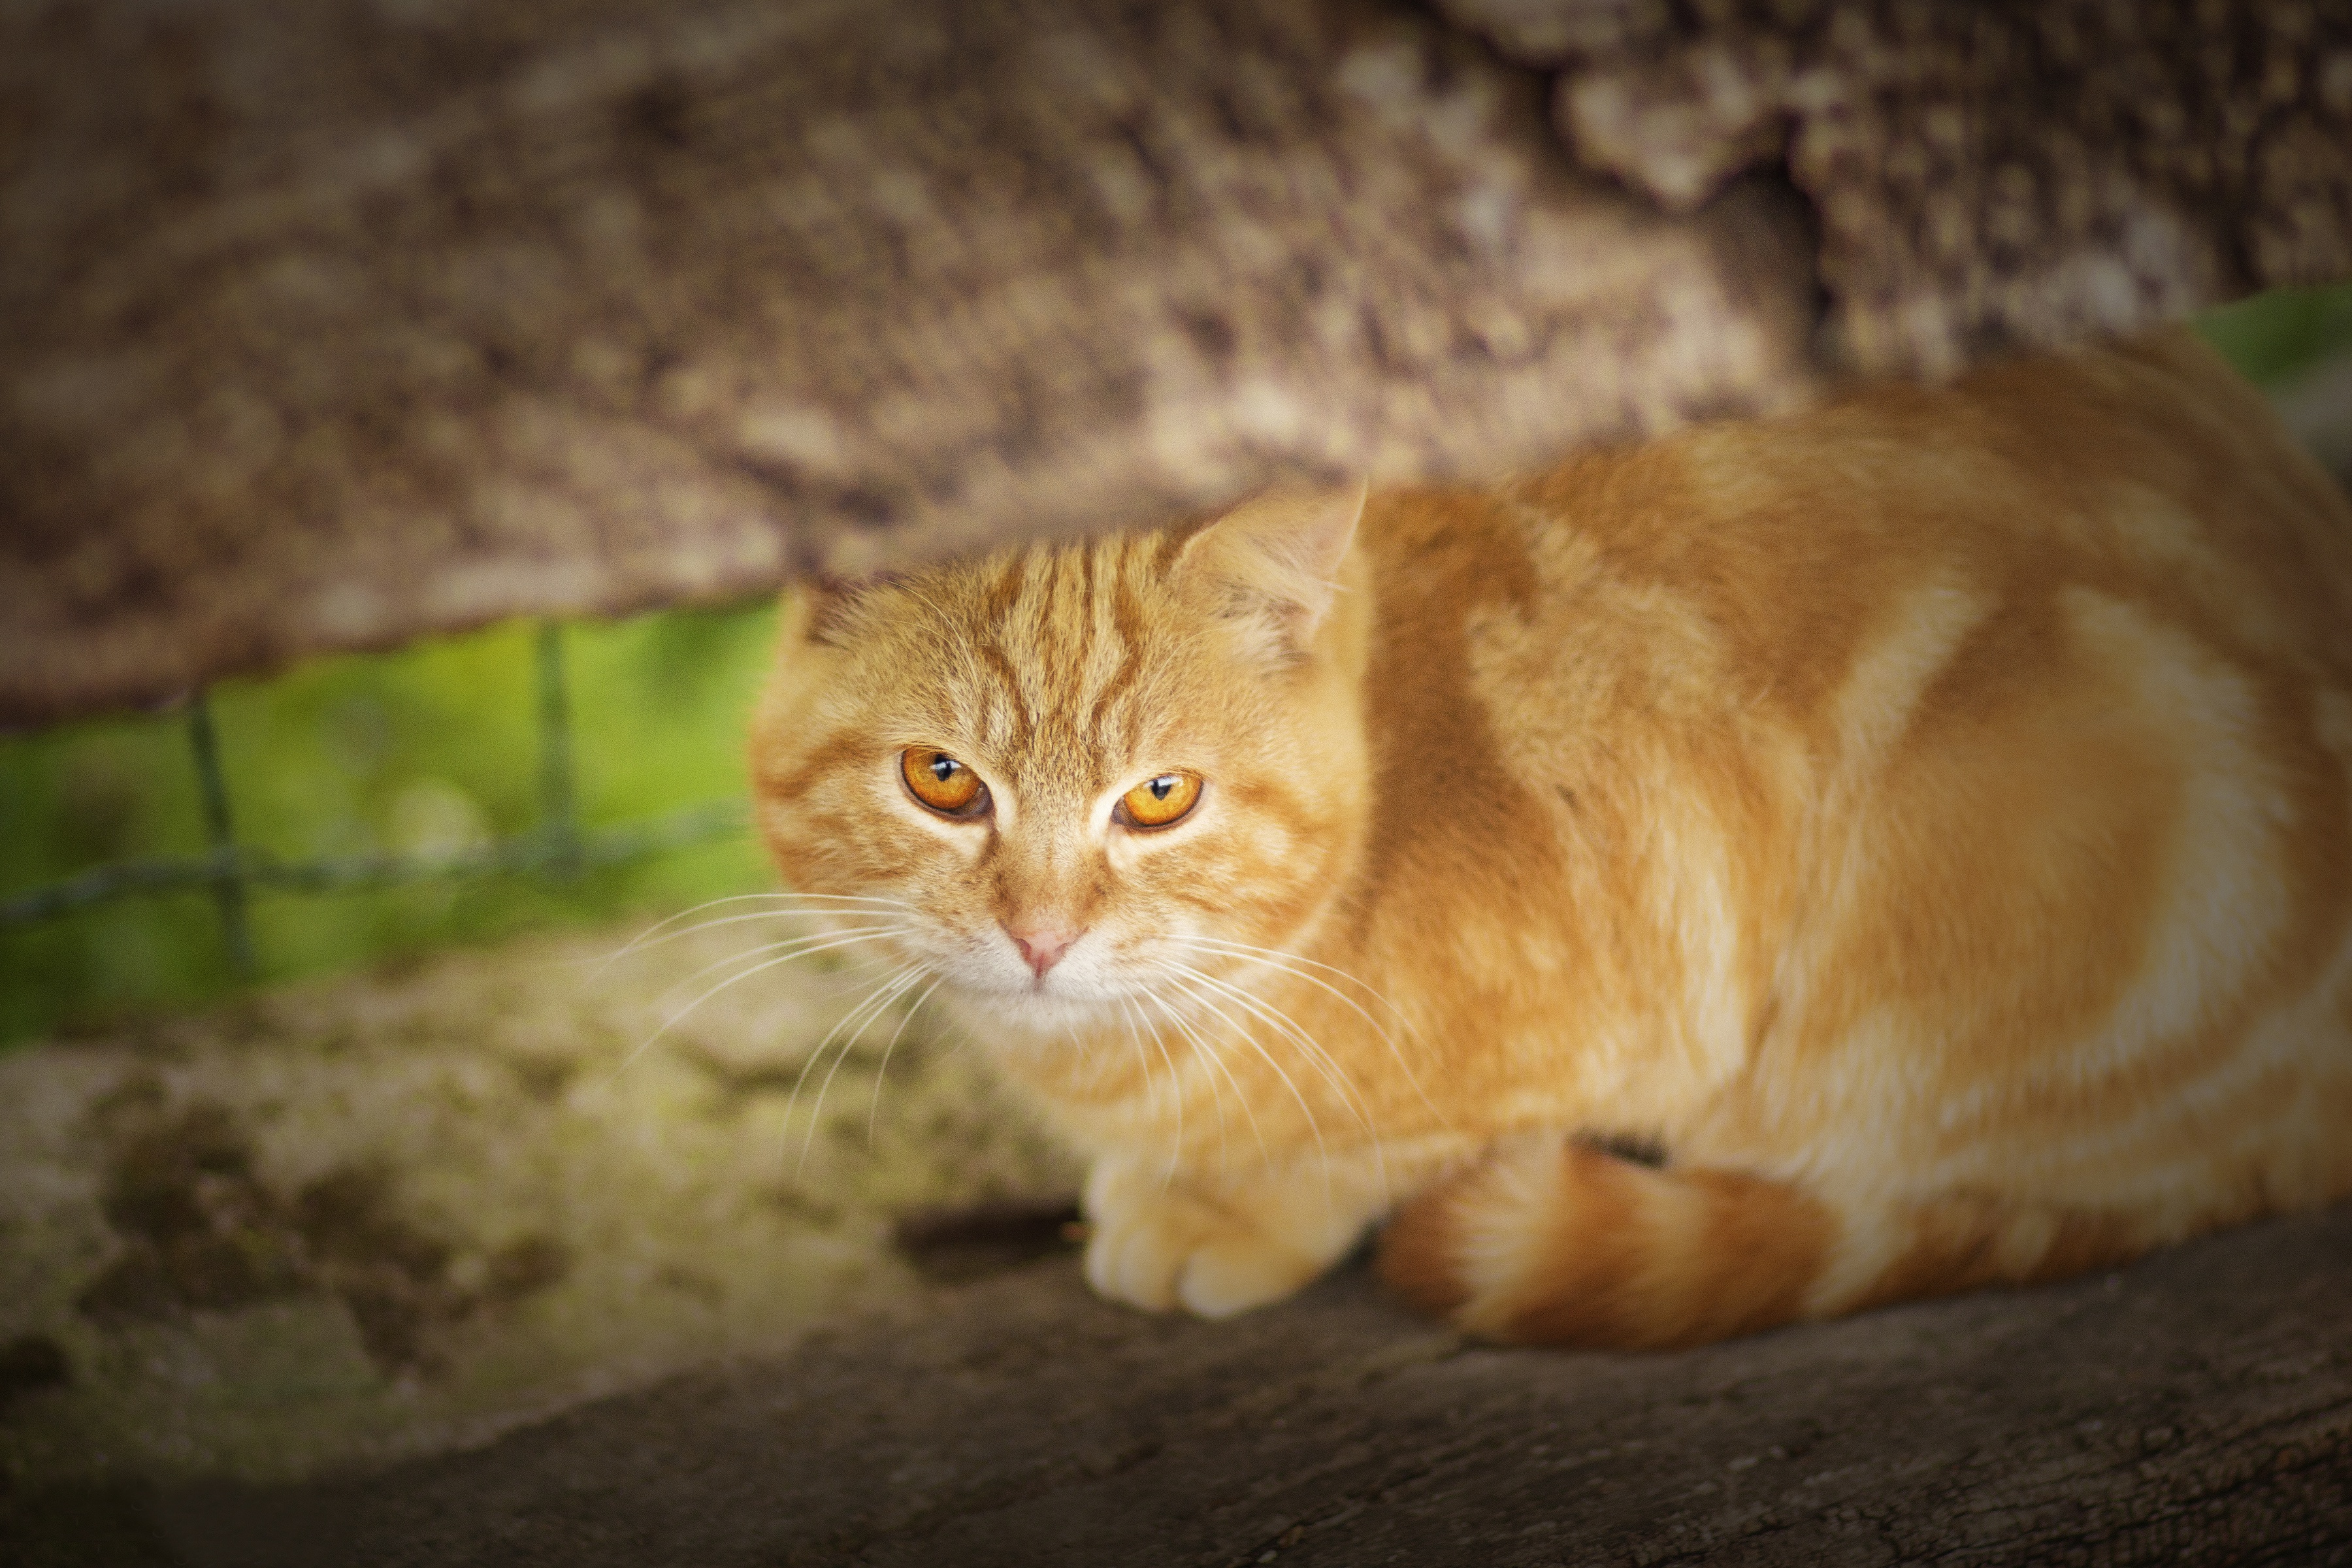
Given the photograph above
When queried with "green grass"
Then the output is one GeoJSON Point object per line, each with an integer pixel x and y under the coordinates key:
{"type": "Point", "coordinates": [437, 746]}
{"type": "Point", "coordinates": [427, 750]}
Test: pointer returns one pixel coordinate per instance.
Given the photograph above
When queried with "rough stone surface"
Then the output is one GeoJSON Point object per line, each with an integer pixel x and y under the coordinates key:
{"type": "Point", "coordinates": [331, 324]}
{"type": "Point", "coordinates": [2026, 172]}
{"type": "Point", "coordinates": [2195, 1409]}
{"type": "Point", "coordinates": [327, 325]}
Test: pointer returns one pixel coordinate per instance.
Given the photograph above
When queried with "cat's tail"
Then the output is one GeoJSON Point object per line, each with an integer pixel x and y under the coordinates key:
{"type": "Point", "coordinates": [1552, 1244]}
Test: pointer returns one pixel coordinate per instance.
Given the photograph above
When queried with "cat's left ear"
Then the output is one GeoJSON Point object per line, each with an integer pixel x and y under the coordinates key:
{"type": "Point", "coordinates": [1275, 558]}
{"type": "Point", "coordinates": [827, 608]}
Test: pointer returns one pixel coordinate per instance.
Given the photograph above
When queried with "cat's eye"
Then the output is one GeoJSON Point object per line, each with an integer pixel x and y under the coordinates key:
{"type": "Point", "coordinates": [942, 783]}
{"type": "Point", "coordinates": [1159, 802]}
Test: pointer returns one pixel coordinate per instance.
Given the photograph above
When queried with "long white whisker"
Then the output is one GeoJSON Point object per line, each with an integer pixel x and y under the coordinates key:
{"type": "Point", "coordinates": [905, 980]}
{"type": "Point", "coordinates": [809, 942]}
{"type": "Point", "coordinates": [1268, 1013]}
{"type": "Point", "coordinates": [1320, 1059]}
{"type": "Point", "coordinates": [1308, 1046]}
{"type": "Point", "coordinates": [701, 926]}
{"type": "Point", "coordinates": [1150, 1084]}
{"type": "Point", "coordinates": [1203, 1049]}
{"type": "Point", "coordinates": [847, 1029]}
{"type": "Point", "coordinates": [1293, 960]}
{"type": "Point", "coordinates": [1209, 1001]}
{"type": "Point", "coordinates": [671, 1021]}
{"type": "Point", "coordinates": [1175, 1089]}
{"type": "Point", "coordinates": [1287, 963]}
{"type": "Point", "coordinates": [1216, 1094]}
{"type": "Point", "coordinates": [650, 938]}
{"type": "Point", "coordinates": [874, 1110]}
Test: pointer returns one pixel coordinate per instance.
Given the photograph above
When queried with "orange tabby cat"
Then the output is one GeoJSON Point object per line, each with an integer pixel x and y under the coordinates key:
{"type": "Point", "coordinates": [1928, 821]}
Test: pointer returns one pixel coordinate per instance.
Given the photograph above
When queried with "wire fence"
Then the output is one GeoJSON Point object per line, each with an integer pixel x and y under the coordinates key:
{"type": "Point", "coordinates": [558, 847]}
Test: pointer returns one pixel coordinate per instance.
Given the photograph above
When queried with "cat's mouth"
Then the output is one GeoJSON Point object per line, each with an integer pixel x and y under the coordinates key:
{"type": "Point", "coordinates": [1068, 987]}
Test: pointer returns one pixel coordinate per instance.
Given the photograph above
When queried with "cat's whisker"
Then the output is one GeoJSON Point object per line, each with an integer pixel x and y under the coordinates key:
{"type": "Point", "coordinates": [1216, 1093]}
{"type": "Point", "coordinates": [1321, 1060]}
{"type": "Point", "coordinates": [1293, 962]}
{"type": "Point", "coordinates": [1175, 1090]}
{"type": "Point", "coordinates": [874, 1109]}
{"type": "Point", "coordinates": [650, 936]}
{"type": "Point", "coordinates": [1349, 1098]}
{"type": "Point", "coordinates": [1322, 1151]}
{"type": "Point", "coordinates": [647, 936]}
{"type": "Point", "coordinates": [1295, 966]}
{"type": "Point", "coordinates": [1207, 1050]}
{"type": "Point", "coordinates": [1284, 1025]}
{"type": "Point", "coordinates": [820, 945]}
{"type": "Point", "coordinates": [791, 914]}
{"type": "Point", "coordinates": [846, 1029]}
{"type": "Point", "coordinates": [814, 937]}
{"type": "Point", "coordinates": [1316, 1056]}
{"type": "Point", "coordinates": [902, 981]}
{"type": "Point", "coordinates": [1143, 1063]}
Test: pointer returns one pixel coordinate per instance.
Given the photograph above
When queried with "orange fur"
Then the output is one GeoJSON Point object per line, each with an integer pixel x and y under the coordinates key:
{"type": "Point", "coordinates": [1928, 819]}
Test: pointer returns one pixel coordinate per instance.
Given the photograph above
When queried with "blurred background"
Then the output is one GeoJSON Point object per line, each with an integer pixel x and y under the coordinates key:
{"type": "Point", "coordinates": [524, 777]}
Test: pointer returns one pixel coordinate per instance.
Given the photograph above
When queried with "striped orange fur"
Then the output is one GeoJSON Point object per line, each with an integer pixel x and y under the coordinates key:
{"type": "Point", "coordinates": [1927, 820]}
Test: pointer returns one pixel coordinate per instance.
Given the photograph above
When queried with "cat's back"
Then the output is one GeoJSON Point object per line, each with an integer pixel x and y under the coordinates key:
{"type": "Point", "coordinates": [1900, 753]}
{"type": "Point", "coordinates": [2146, 471]}
{"type": "Point", "coordinates": [1768, 565]}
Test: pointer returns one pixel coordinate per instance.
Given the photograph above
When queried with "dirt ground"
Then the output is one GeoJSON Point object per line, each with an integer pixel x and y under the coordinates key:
{"type": "Point", "coordinates": [381, 1216]}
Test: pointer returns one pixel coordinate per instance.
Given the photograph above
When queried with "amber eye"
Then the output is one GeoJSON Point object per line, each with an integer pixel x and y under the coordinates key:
{"type": "Point", "coordinates": [942, 783]}
{"type": "Point", "coordinates": [1159, 802]}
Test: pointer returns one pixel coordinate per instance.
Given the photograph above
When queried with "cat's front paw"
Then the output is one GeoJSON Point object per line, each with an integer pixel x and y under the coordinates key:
{"type": "Point", "coordinates": [1156, 1246]}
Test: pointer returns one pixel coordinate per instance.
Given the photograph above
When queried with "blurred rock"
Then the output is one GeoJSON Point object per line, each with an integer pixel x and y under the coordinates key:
{"type": "Point", "coordinates": [2026, 172]}
{"type": "Point", "coordinates": [329, 325]}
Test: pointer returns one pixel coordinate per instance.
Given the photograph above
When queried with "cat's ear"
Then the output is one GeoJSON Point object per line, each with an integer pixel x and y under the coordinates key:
{"type": "Point", "coordinates": [825, 607]}
{"type": "Point", "coordinates": [1274, 558]}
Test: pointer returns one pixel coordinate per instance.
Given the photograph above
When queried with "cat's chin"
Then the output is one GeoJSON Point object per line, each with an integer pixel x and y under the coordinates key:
{"type": "Point", "coordinates": [1031, 1011]}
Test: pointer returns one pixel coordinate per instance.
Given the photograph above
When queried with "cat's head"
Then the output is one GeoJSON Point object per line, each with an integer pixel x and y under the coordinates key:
{"type": "Point", "coordinates": [1059, 776]}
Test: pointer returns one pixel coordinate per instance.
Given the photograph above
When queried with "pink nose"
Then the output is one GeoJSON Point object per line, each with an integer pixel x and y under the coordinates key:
{"type": "Point", "coordinates": [1042, 946]}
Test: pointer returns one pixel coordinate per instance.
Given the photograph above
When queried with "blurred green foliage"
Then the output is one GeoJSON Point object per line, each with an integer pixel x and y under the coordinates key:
{"type": "Point", "coordinates": [429, 750]}
{"type": "Point", "coordinates": [2274, 337]}
{"type": "Point", "coordinates": [437, 747]}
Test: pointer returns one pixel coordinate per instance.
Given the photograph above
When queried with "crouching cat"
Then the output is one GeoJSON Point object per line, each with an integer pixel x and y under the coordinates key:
{"type": "Point", "coordinates": [1785, 868]}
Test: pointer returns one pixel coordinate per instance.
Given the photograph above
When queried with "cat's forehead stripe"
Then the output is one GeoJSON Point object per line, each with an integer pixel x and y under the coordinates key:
{"type": "Point", "coordinates": [1059, 647]}
{"type": "Point", "coordinates": [1126, 633]}
{"type": "Point", "coordinates": [1006, 689]}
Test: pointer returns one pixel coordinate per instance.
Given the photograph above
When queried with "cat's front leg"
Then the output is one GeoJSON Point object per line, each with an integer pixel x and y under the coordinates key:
{"type": "Point", "coordinates": [1162, 1238]}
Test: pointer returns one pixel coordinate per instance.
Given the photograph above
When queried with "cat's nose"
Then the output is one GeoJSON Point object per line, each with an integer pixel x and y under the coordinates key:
{"type": "Point", "coordinates": [1042, 946]}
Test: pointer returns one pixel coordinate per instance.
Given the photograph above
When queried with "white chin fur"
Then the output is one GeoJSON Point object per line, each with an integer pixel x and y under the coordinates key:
{"type": "Point", "coordinates": [1050, 1009]}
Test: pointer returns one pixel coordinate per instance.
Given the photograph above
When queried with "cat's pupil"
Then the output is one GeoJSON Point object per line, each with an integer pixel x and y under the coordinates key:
{"type": "Point", "coordinates": [1161, 786]}
{"type": "Point", "coordinates": [944, 768]}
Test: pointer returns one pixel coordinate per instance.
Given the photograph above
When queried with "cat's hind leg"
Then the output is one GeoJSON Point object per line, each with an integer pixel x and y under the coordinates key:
{"type": "Point", "coordinates": [1547, 1242]}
